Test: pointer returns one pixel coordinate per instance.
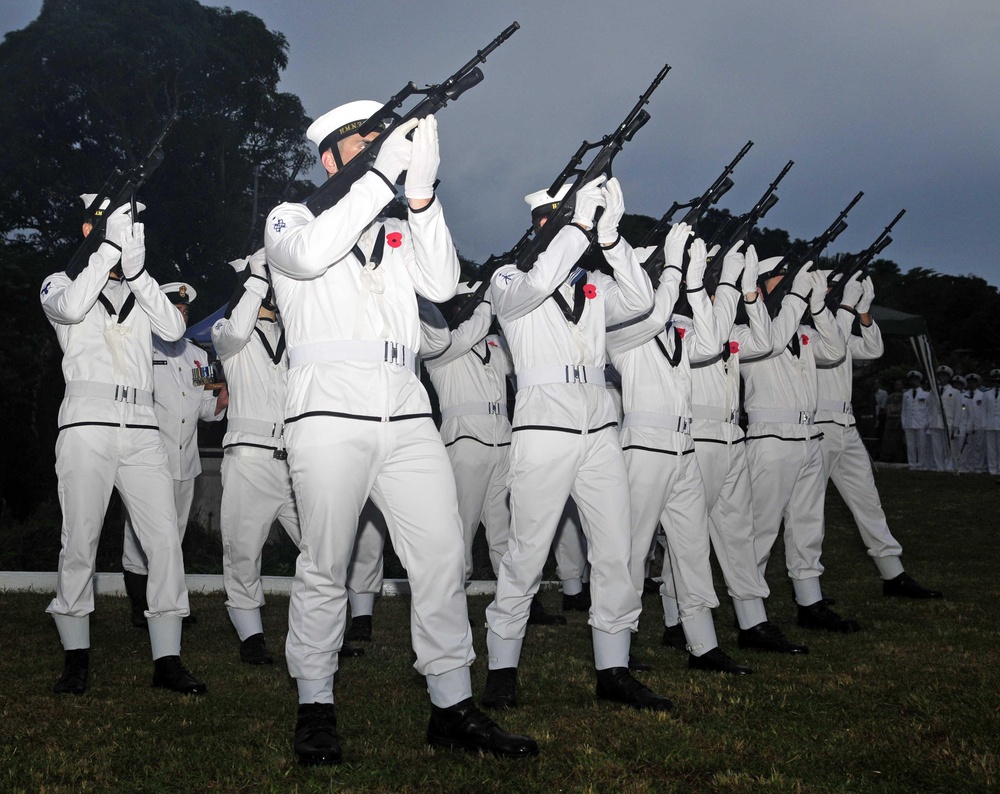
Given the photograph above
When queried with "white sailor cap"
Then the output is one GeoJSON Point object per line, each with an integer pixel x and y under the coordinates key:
{"type": "Point", "coordinates": [914, 374]}
{"type": "Point", "coordinates": [342, 121]}
{"type": "Point", "coordinates": [958, 380]}
{"type": "Point", "coordinates": [178, 292]}
{"type": "Point", "coordinates": [945, 370]}
{"type": "Point", "coordinates": [765, 266]}
{"type": "Point", "coordinates": [995, 373]}
{"type": "Point", "coordinates": [88, 199]}
{"type": "Point", "coordinates": [973, 376]}
{"type": "Point", "coordinates": [542, 202]}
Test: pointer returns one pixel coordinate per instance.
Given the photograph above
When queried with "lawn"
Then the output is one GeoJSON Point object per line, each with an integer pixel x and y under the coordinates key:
{"type": "Point", "coordinates": [909, 704]}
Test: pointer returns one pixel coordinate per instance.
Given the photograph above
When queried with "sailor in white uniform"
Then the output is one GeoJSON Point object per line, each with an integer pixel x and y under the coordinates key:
{"type": "Point", "coordinates": [565, 439]}
{"type": "Point", "coordinates": [914, 418]}
{"type": "Point", "coordinates": [256, 485]}
{"type": "Point", "coordinates": [358, 424]}
{"type": "Point", "coordinates": [108, 438]}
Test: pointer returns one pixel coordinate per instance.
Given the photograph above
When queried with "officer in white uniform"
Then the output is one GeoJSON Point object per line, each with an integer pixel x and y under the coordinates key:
{"type": "Point", "coordinates": [358, 424]}
{"type": "Point", "coordinates": [943, 405]}
{"type": "Point", "coordinates": [108, 438]}
{"type": "Point", "coordinates": [914, 418]}
{"type": "Point", "coordinates": [719, 446]}
{"type": "Point", "coordinates": [665, 484]}
{"type": "Point", "coordinates": [783, 445]}
{"type": "Point", "coordinates": [179, 404]}
{"type": "Point", "coordinates": [565, 441]}
{"type": "Point", "coordinates": [845, 459]}
{"type": "Point", "coordinates": [991, 407]}
{"type": "Point", "coordinates": [256, 485]}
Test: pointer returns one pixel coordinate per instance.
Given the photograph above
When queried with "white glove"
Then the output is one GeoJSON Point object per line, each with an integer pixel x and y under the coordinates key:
{"type": "Point", "coordinates": [817, 299]}
{"type": "Point", "coordinates": [588, 198]}
{"type": "Point", "coordinates": [852, 291]}
{"type": "Point", "coordinates": [116, 224]}
{"type": "Point", "coordinates": [614, 208]}
{"type": "Point", "coordinates": [239, 265]}
{"type": "Point", "coordinates": [394, 155]}
{"type": "Point", "coordinates": [258, 264]}
{"type": "Point", "coordinates": [422, 171]}
{"type": "Point", "coordinates": [802, 282]}
{"type": "Point", "coordinates": [751, 272]}
{"type": "Point", "coordinates": [675, 243]}
{"type": "Point", "coordinates": [732, 264]}
{"type": "Point", "coordinates": [698, 255]}
{"type": "Point", "coordinates": [133, 250]}
{"type": "Point", "coordinates": [867, 296]}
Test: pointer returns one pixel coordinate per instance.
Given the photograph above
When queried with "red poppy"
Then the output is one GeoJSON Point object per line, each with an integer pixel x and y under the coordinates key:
{"type": "Point", "coordinates": [394, 239]}
{"type": "Point", "coordinates": [682, 331]}
{"type": "Point", "coordinates": [805, 339]}
{"type": "Point", "coordinates": [590, 291]}
{"type": "Point", "coordinates": [734, 348]}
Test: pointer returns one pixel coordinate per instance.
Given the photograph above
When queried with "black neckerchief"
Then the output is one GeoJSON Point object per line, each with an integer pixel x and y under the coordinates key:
{"type": "Point", "coordinates": [377, 250]}
{"type": "Point", "coordinates": [793, 346]}
{"type": "Point", "coordinates": [579, 301]}
{"type": "Point", "coordinates": [485, 358]}
{"type": "Point", "coordinates": [675, 359]}
{"type": "Point", "coordinates": [275, 355]}
{"type": "Point", "coordinates": [110, 309]}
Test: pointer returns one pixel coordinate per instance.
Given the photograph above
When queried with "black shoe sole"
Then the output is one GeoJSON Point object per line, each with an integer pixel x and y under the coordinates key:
{"type": "Point", "coordinates": [453, 744]}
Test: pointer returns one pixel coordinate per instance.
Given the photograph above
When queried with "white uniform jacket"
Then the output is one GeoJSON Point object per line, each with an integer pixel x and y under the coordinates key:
{"type": "Point", "coordinates": [780, 389]}
{"type": "Point", "coordinates": [253, 356]}
{"type": "Point", "coordinates": [179, 403]}
{"type": "Point", "coordinates": [340, 279]}
{"type": "Point", "coordinates": [543, 340]}
{"type": "Point", "coordinates": [836, 380]}
{"type": "Point", "coordinates": [470, 378]}
{"type": "Point", "coordinates": [916, 408]}
{"type": "Point", "coordinates": [103, 327]}
{"type": "Point", "coordinates": [951, 400]}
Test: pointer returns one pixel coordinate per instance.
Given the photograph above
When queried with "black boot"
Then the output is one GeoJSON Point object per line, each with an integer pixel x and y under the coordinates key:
{"type": "Point", "coordinates": [539, 616]}
{"type": "Point", "coordinates": [820, 616]}
{"type": "Point", "coordinates": [135, 586]}
{"type": "Point", "coordinates": [316, 741]}
{"type": "Point", "coordinates": [348, 650]}
{"type": "Point", "coordinates": [767, 636]}
{"type": "Point", "coordinates": [169, 673]}
{"type": "Point", "coordinates": [716, 661]}
{"type": "Point", "coordinates": [617, 684]}
{"type": "Point", "coordinates": [906, 586]}
{"type": "Point", "coordinates": [501, 689]}
{"type": "Point", "coordinates": [360, 629]}
{"type": "Point", "coordinates": [673, 637]}
{"type": "Point", "coordinates": [253, 650]}
{"type": "Point", "coordinates": [580, 602]}
{"type": "Point", "coordinates": [73, 680]}
{"type": "Point", "coordinates": [464, 727]}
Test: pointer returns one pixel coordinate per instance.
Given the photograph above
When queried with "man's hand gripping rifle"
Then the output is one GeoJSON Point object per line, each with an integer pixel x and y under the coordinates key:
{"type": "Point", "coordinates": [435, 97]}
{"type": "Point", "coordinates": [857, 263]}
{"type": "Point", "coordinates": [119, 189]}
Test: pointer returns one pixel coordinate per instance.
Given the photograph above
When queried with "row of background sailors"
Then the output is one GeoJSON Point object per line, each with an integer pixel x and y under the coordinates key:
{"type": "Point", "coordinates": [961, 423]}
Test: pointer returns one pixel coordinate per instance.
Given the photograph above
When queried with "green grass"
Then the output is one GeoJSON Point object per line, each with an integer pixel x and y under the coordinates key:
{"type": "Point", "coordinates": [909, 704]}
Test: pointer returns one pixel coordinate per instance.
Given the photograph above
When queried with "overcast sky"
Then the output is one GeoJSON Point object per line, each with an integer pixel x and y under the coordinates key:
{"type": "Point", "coordinates": [898, 98]}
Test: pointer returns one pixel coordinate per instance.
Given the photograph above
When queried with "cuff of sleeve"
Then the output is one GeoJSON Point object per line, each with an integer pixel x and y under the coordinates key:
{"type": "Point", "coordinates": [727, 284]}
{"type": "Point", "coordinates": [796, 295]}
{"type": "Point", "coordinates": [817, 312]}
{"type": "Point", "coordinates": [699, 288]}
{"type": "Point", "coordinates": [612, 244]}
{"type": "Point", "coordinates": [433, 201]}
{"type": "Point", "coordinates": [257, 285]}
{"type": "Point", "coordinates": [385, 179]}
{"type": "Point", "coordinates": [130, 279]}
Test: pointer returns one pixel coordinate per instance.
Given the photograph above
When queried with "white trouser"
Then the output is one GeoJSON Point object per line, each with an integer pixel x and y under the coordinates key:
{"type": "Point", "coordinates": [90, 461]}
{"type": "Point", "coordinates": [730, 524]}
{"type": "Point", "coordinates": [667, 489]}
{"type": "Point", "coordinates": [973, 454]}
{"type": "Point", "coordinates": [570, 550]}
{"type": "Point", "coordinates": [365, 573]}
{"type": "Point", "coordinates": [133, 556]}
{"type": "Point", "coordinates": [938, 453]}
{"type": "Point", "coordinates": [481, 480]}
{"type": "Point", "coordinates": [847, 464]}
{"type": "Point", "coordinates": [335, 464]}
{"type": "Point", "coordinates": [993, 451]}
{"type": "Point", "coordinates": [546, 468]}
{"type": "Point", "coordinates": [915, 447]}
{"type": "Point", "coordinates": [256, 492]}
{"type": "Point", "coordinates": [788, 484]}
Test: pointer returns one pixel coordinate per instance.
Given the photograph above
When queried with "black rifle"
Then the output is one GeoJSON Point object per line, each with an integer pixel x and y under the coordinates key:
{"type": "Point", "coordinates": [529, 248]}
{"type": "Point", "coordinates": [857, 263]}
{"type": "Point", "coordinates": [696, 208]}
{"type": "Point", "coordinates": [741, 227]}
{"type": "Point", "coordinates": [799, 255]}
{"type": "Point", "coordinates": [435, 97]}
{"type": "Point", "coordinates": [119, 189]}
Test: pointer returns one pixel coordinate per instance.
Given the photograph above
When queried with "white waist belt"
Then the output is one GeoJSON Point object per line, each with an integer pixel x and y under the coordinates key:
{"type": "Point", "coordinates": [715, 413]}
{"type": "Point", "coordinates": [257, 427]}
{"type": "Point", "coordinates": [568, 373]}
{"type": "Point", "coordinates": [835, 406]}
{"type": "Point", "coordinates": [108, 391]}
{"type": "Point", "coordinates": [781, 417]}
{"type": "Point", "coordinates": [466, 409]}
{"type": "Point", "coordinates": [366, 350]}
{"type": "Point", "coordinates": [681, 424]}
